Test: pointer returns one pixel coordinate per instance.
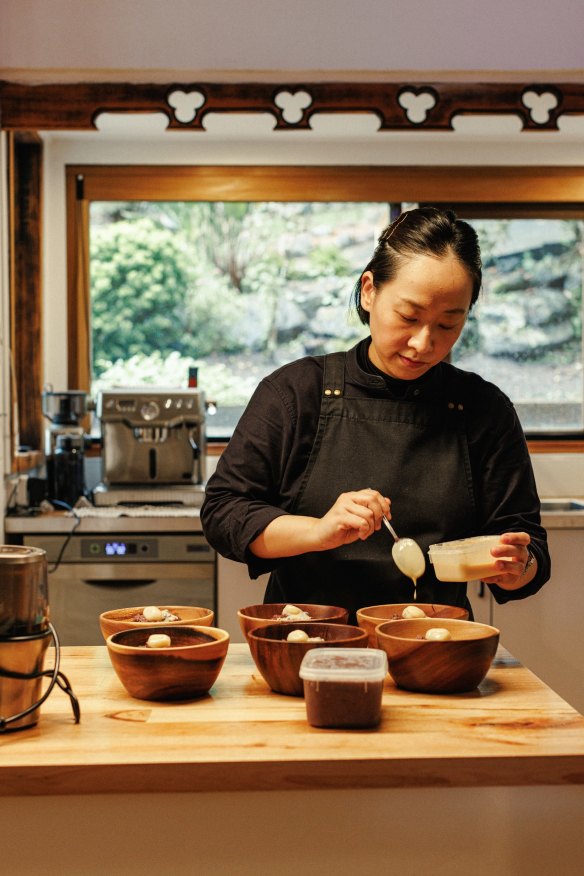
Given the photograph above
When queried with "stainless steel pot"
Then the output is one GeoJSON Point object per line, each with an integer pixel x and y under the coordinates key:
{"type": "Point", "coordinates": [24, 600]}
{"type": "Point", "coordinates": [25, 634]}
{"type": "Point", "coordinates": [21, 673]}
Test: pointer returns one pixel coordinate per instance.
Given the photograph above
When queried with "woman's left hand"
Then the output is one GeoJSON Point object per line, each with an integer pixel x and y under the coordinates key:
{"type": "Point", "coordinates": [512, 555]}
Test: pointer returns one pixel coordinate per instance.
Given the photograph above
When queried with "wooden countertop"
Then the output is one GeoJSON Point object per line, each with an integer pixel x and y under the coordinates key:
{"type": "Point", "coordinates": [512, 731]}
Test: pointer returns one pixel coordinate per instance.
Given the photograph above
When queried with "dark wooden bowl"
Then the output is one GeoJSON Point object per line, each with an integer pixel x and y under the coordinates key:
{"type": "Point", "coordinates": [370, 617]}
{"type": "Point", "coordinates": [253, 616]}
{"type": "Point", "coordinates": [279, 660]}
{"type": "Point", "coordinates": [118, 619]}
{"type": "Point", "coordinates": [185, 670]}
{"type": "Point", "coordinates": [453, 666]}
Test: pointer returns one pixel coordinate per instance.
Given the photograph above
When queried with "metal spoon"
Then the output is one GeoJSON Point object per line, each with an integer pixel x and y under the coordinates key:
{"type": "Point", "coordinates": [407, 554]}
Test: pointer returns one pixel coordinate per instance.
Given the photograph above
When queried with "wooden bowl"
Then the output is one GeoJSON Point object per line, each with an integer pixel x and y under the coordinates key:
{"type": "Point", "coordinates": [452, 666]}
{"type": "Point", "coordinates": [185, 670]}
{"type": "Point", "coordinates": [261, 615]}
{"type": "Point", "coordinates": [118, 619]}
{"type": "Point", "coordinates": [370, 617]}
{"type": "Point", "coordinates": [279, 660]}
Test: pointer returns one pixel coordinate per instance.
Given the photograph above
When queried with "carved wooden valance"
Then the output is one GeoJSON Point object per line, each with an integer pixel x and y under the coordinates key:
{"type": "Point", "coordinates": [399, 106]}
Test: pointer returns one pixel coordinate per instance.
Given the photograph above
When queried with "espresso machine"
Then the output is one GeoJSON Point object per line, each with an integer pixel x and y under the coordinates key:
{"type": "Point", "coordinates": [153, 446]}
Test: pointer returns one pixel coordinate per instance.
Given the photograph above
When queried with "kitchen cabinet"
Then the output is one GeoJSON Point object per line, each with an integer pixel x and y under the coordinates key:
{"type": "Point", "coordinates": [235, 589]}
{"type": "Point", "coordinates": [227, 783]}
{"type": "Point", "coordinates": [481, 602]}
{"type": "Point", "coordinates": [546, 631]}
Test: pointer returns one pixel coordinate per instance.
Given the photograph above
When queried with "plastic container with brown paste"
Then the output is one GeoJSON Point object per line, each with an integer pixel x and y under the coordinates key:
{"type": "Point", "coordinates": [343, 686]}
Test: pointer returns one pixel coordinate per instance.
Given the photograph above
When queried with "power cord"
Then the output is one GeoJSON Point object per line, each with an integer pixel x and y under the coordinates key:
{"type": "Point", "coordinates": [57, 677]}
{"type": "Point", "coordinates": [67, 507]}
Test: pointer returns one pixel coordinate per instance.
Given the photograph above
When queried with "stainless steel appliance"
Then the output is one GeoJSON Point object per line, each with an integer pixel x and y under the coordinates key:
{"type": "Point", "coordinates": [92, 573]}
{"type": "Point", "coordinates": [68, 469]}
{"type": "Point", "coordinates": [64, 444]}
{"type": "Point", "coordinates": [153, 446]}
{"type": "Point", "coordinates": [65, 411]}
{"type": "Point", "coordinates": [25, 635]}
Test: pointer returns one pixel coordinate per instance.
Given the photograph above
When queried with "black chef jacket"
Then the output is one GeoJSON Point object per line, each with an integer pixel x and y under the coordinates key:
{"type": "Point", "coordinates": [259, 475]}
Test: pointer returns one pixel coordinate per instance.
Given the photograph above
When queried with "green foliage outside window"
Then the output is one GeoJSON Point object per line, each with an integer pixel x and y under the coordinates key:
{"type": "Point", "coordinates": [239, 289]}
{"type": "Point", "coordinates": [140, 284]}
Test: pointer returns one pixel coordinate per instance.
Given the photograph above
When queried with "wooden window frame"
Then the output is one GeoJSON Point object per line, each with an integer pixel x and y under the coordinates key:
{"type": "Point", "coordinates": [25, 181]}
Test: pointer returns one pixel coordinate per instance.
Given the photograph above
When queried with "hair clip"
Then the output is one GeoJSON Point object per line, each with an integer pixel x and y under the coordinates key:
{"type": "Point", "coordinates": [389, 231]}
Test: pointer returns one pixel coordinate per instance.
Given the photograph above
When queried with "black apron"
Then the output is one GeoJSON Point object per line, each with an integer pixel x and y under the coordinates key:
{"type": "Point", "coordinates": [413, 450]}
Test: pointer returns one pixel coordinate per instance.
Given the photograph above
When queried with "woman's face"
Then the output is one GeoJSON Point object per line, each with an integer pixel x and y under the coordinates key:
{"type": "Point", "coordinates": [416, 318]}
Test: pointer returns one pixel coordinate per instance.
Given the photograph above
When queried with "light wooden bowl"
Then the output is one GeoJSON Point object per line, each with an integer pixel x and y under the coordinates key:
{"type": "Point", "coordinates": [253, 616]}
{"type": "Point", "coordinates": [370, 617]}
{"type": "Point", "coordinates": [279, 660]}
{"type": "Point", "coordinates": [185, 670]}
{"type": "Point", "coordinates": [453, 666]}
{"type": "Point", "coordinates": [118, 619]}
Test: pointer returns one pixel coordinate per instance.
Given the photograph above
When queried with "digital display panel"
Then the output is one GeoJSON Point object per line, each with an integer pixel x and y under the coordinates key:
{"type": "Point", "coordinates": [119, 548]}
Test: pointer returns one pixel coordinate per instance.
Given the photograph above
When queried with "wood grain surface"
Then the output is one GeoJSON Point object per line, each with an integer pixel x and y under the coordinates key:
{"type": "Point", "coordinates": [512, 731]}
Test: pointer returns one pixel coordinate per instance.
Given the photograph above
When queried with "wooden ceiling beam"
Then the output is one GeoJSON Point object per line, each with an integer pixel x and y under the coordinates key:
{"type": "Point", "coordinates": [399, 106]}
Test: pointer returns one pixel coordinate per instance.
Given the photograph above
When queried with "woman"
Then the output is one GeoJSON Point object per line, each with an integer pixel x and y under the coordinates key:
{"type": "Point", "coordinates": [329, 444]}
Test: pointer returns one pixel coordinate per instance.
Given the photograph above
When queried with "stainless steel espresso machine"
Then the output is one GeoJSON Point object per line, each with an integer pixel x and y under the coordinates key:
{"type": "Point", "coordinates": [153, 446]}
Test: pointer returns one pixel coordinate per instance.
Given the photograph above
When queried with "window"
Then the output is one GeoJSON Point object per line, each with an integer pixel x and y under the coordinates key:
{"type": "Point", "coordinates": [525, 333]}
{"type": "Point", "coordinates": [238, 270]}
{"type": "Point", "coordinates": [233, 289]}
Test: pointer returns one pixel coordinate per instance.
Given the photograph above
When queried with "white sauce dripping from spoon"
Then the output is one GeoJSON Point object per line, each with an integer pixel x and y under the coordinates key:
{"type": "Point", "coordinates": [407, 555]}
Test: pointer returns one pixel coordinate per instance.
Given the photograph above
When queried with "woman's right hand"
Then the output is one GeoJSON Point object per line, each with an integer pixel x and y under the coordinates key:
{"type": "Point", "coordinates": [353, 516]}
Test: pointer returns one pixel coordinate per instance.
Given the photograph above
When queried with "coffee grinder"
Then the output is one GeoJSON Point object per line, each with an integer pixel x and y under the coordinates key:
{"type": "Point", "coordinates": [25, 634]}
{"type": "Point", "coordinates": [64, 443]}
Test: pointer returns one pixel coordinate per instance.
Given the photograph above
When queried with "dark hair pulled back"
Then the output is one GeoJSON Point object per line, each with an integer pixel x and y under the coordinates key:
{"type": "Point", "coordinates": [419, 232]}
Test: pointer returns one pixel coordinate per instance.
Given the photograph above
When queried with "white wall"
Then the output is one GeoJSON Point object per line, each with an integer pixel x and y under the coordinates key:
{"type": "Point", "coordinates": [276, 35]}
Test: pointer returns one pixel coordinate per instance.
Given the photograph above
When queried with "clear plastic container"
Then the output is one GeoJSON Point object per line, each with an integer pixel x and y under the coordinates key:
{"type": "Point", "coordinates": [468, 559]}
{"type": "Point", "coordinates": [343, 686]}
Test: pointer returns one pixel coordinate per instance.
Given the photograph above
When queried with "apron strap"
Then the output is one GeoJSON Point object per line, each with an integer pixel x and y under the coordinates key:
{"type": "Point", "coordinates": [333, 383]}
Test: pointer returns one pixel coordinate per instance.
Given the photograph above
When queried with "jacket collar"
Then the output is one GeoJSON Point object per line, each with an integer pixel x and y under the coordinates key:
{"type": "Point", "coordinates": [374, 380]}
